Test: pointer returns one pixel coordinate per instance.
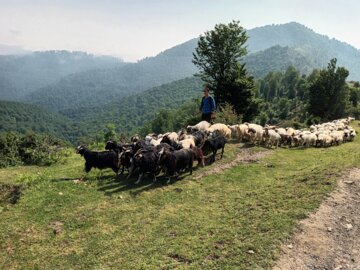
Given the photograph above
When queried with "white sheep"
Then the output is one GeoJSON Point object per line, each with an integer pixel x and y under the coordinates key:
{"type": "Point", "coordinates": [234, 130]}
{"type": "Point", "coordinates": [222, 128]}
{"type": "Point", "coordinates": [272, 137]}
{"type": "Point", "coordinates": [255, 132]}
{"type": "Point", "coordinates": [308, 139]}
{"type": "Point", "coordinates": [187, 143]}
{"type": "Point", "coordinates": [203, 126]}
{"type": "Point", "coordinates": [243, 131]}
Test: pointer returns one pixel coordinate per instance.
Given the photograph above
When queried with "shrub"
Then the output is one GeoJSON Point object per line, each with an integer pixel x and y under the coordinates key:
{"type": "Point", "coordinates": [30, 149]}
{"type": "Point", "coordinates": [227, 115]}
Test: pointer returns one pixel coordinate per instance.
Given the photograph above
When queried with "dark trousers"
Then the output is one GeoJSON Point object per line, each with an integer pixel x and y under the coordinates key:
{"type": "Point", "coordinates": [206, 117]}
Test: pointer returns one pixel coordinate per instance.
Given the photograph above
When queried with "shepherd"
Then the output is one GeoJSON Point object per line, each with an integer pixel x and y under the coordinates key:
{"type": "Point", "coordinates": [207, 106]}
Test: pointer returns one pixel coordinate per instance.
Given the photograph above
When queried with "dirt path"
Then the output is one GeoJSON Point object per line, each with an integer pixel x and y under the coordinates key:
{"type": "Point", "coordinates": [330, 237]}
{"type": "Point", "coordinates": [245, 155]}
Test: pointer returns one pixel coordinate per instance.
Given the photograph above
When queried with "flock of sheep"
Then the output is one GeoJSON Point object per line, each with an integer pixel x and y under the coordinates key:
{"type": "Point", "coordinates": [320, 135]}
{"type": "Point", "coordinates": [174, 152]}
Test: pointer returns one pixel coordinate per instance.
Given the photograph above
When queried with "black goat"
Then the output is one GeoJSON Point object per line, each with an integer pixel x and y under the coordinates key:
{"type": "Point", "coordinates": [198, 155]}
{"type": "Point", "coordinates": [146, 161]}
{"type": "Point", "coordinates": [176, 161]}
{"type": "Point", "coordinates": [199, 138]}
{"type": "Point", "coordinates": [100, 160]}
{"type": "Point", "coordinates": [119, 150]}
{"type": "Point", "coordinates": [214, 145]}
{"type": "Point", "coordinates": [112, 145]}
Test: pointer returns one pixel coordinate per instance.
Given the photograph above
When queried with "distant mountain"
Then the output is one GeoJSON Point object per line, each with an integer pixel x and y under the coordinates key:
{"type": "Point", "coordinates": [317, 48]}
{"type": "Point", "coordinates": [22, 74]}
{"type": "Point", "coordinates": [277, 58]}
{"type": "Point", "coordinates": [98, 87]}
{"type": "Point", "coordinates": [271, 48]}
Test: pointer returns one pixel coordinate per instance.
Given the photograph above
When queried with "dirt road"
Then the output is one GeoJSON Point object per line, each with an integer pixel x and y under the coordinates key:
{"type": "Point", "coordinates": [330, 237]}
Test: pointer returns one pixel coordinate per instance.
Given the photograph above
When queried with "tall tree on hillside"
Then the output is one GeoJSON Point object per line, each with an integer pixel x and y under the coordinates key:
{"type": "Point", "coordinates": [328, 92]}
{"type": "Point", "coordinates": [218, 55]}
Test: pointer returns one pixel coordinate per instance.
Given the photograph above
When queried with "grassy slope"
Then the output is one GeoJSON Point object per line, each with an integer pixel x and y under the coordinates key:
{"type": "Point", "coordinates": [209, 223]}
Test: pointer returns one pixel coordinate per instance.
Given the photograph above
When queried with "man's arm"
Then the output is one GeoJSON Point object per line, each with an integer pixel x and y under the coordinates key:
{"type": "Point", "coordinates": [201, 104]}
{"type": "Point", "coordinates": [213, 105]}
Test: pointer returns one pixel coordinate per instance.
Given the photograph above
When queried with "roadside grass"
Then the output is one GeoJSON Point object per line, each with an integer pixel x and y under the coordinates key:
{"type": "Point", "coordinates": [234, 219]}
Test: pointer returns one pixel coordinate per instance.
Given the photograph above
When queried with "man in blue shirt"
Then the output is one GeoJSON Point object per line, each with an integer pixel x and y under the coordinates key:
{"type": "Point", "coordinates": [207, 106]}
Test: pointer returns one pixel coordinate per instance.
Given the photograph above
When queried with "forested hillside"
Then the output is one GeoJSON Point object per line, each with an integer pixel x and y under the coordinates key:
{"type": "Point", "coordinates": [130, 113]}
{"type": "Point", "coordinates": [22, 74]}
{"type": "Point", "coordinates": [20, 117]}
{"type": "Point", "coordinates": [277, 58]}
{"type": "Point", "coordinates": [127, 113]}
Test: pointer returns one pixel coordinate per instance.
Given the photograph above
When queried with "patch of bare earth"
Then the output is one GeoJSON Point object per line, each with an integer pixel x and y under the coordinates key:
{"type": "Point", "coordinates": [243, 156]}
{"type": "Point", "coordinates": [330, 237]}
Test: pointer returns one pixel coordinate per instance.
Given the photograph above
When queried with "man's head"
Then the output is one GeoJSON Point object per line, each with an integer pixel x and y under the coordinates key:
{"type": "Point", "coordinates": [206, 91]}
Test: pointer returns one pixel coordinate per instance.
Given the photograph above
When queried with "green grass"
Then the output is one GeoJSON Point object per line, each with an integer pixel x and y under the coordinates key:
{"type": "Point", "coordinates": [209, 223]}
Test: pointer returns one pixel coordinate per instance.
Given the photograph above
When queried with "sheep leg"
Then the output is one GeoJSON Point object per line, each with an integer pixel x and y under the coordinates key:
{"type": "Point", "coordinates": [139, 179]}
{"type": "Point", "coordinates": [213, 156]}
{"type": "Point", "coordinates": [222, 152]}
{"type": "Point", "coordinates": [131, 169]}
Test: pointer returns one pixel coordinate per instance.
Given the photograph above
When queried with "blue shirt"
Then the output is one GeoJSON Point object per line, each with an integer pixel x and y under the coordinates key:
{"type": "Point", "coordinates": [207, 105]}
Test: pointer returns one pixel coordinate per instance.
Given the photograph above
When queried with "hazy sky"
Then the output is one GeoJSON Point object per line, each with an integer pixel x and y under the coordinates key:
{"type": "Point", "coordinates": [134, 29]}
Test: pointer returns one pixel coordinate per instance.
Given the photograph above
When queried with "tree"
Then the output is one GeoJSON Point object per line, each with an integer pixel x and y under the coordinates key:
{"type": "Point", "coordinates": [218, 55]}
{"type": "Point", "coordinates": [110, 133]}
{"type": "Point", "coordinates": [328, 92]}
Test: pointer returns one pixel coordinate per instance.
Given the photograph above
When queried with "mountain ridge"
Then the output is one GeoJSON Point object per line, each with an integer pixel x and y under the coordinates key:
{"type": "Point", "coordinates": [271, 48]}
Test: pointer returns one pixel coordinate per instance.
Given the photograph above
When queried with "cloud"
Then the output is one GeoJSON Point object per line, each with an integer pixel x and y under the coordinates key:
{"type": "Point", "coordinates": [15, 32]}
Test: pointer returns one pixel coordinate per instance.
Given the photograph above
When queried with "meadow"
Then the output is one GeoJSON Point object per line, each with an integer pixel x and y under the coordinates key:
{"type": "Point", "coordinates": [233, 218]}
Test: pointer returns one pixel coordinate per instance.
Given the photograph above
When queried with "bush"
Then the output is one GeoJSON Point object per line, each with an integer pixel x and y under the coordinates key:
{"type": "Point", "coordinates": [227, 115]}
{"type": "Point", "coordinates": [27, 180]}
{"type": "Point", "coordinates": [30, 149]}
{"type": "Point", "coordinates": [9, 149]}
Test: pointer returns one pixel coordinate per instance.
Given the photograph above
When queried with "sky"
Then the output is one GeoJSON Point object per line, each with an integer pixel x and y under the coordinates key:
{"type": "Point", "coordinates": [134, 29]}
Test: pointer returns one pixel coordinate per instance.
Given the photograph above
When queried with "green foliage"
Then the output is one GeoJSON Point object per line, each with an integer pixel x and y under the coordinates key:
{"type": "Point", "coordinates": [110, 133]}
{"type": "Point", "coordinates": [354, 95]}
{"type": "Point", "coordinates": [227, 115]}
{"type": "Point", "coordinates": [218, 53]}
{"type": "Point", "coordinates": [131, 113]}
{"type": "Point", "coordinates": [30, 149]}
{"type": "Point", "coordinates": [329, 93]}
{"type": "Point", "coordinates": [27, 180]}
{"type": "Point", "coordinates": [9, 149]}
{"type": "Point", "coordinates": [173, 120]}
{"type": "Point", "coordinates": [285, 97]}
{"type": "Point", "coordinates": [85, 125]}
{"type": "Point", "coordinates": [22, 118]}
